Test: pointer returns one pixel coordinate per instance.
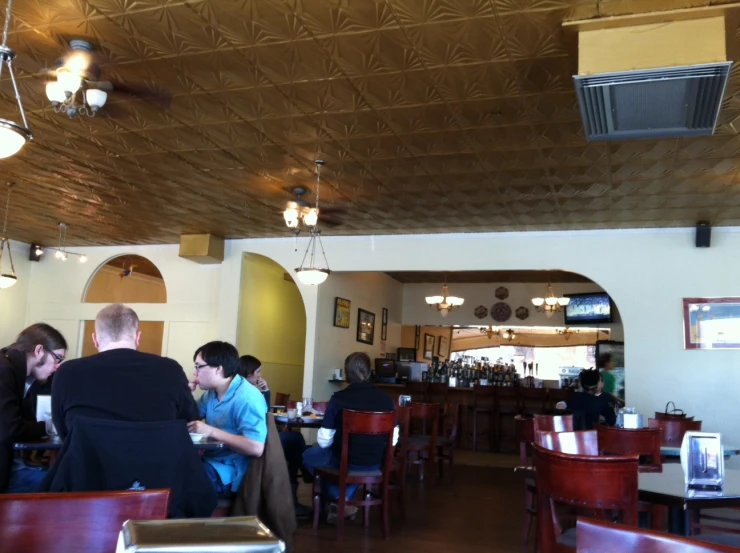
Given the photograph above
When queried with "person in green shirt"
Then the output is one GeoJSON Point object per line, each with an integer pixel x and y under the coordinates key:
{"type": "Point", "coordinates": [605, 364]}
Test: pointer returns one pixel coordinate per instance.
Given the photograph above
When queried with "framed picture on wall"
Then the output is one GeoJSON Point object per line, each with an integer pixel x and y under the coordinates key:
{"type": "Point", "coordinates": [365, 326]}
{"type": "Point", "coordinates": [384, 325]}
{"type": "Point", "coordinates": [444, 346]}
{"type": "Point", "coordinates": [341, 312]}
{"type": "Point", "coordinates": [711, 323]}
{"type": "Point", "coordinates": [428, 346]}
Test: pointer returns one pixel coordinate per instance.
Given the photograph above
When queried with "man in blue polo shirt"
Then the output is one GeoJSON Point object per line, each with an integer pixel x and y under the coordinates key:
{"type": "Point", "coordinates": [234, 413]}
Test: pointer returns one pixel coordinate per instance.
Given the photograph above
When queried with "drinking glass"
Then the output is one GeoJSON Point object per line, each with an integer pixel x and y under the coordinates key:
{"type": "Point", "coordinates": [51, 431]}
{"type": "Point", "coordinates": [307, 405]}
{"type": "Point", "coordinates": [292, 414]}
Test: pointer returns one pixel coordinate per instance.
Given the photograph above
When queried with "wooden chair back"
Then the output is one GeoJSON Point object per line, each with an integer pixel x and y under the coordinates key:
{"type": "Point", "coordinates": [553, 423]}
{"type": "Point", "coordinates": [555, 395]}
{"type": "Point", "coordinates": [366, 423]}
{"type": "Point", "coordinates": [627, 441]}
{"type": "Point", "coordinates": [674, 429]}
{"type": "Point", "coordinates": [320, 406]}
{"type": "Point", "coordinates": [86, 522]}
{"type": "Point", "coordinates": [282, 399]}
{"type": "Point", "coordinates": [428, 415]}
{"type": "Point", "coordinates": [524, 436]}
{"type": "Point", "coordinates": [582, 442]}
{"type": "Point", "coordinates": [291, 404]}
{"type": "Point", "coordinates": [403, 415]}
{"type": "Point", "coordinates": [438, 392]}
{"type": "Point", "coordinates": [450, 421]}
{"type": "Point", "coordinates": [417, 390]}
{"type": "Point", "coordinates": [607, 537]}
{"type": "Point", "coordinates": [604, 486]}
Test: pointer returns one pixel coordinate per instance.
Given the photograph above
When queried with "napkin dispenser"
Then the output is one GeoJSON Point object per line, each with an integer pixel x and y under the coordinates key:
{"type": "Point", "coordinates": [627, 418]}
{"type": "Point", "coordinates": [702, 460]}
{"type": "Point", "coordinates": [198, 535]}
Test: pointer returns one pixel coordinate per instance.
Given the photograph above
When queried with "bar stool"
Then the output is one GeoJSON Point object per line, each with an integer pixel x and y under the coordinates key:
{"type": "Point", "coordinates": [484, 403]}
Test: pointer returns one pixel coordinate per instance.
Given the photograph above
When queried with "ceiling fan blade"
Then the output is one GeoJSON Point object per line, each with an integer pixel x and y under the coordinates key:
{"type": "Point", "coordinates": [100, 85]}
{"type": "Point", "coordinates": [160, 98]}
{"type": "Point", "coordinates": [329, 222]}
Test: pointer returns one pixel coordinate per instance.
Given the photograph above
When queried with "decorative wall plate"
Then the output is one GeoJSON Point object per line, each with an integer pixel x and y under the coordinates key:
{"type": "Point", "coordinates": [502, 292]}
{"type": "Point", "coordinates": [481, 312]}
{"type": "Point", "coordinates": [501, 312]}
{"type": "Point", "coordinates": [521, 312]}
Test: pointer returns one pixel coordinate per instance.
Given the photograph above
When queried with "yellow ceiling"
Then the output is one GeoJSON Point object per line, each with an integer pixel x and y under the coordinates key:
{"type": "Point", "coordinates": [432, 116]}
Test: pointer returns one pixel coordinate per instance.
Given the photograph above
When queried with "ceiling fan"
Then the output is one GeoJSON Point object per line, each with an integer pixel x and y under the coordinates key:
{"type": "Point", "coordinates": [299, 210]}
{"type": "Point", "coordinates": [77, 86]}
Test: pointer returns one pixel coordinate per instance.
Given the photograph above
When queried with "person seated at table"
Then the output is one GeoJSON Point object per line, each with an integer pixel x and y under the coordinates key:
{"type": "Point", "coordinates": [590, 407]}
{"type": "Point", "coordinates": [613, 401]}
{"type": "Point", "coordinates": [293, 442]}
{"type": "Point", "coordinates": [119, 382]}
{"type": "Point", "coordinates": [33, 357]}
{"type": "Point", "coordinates": [365, 452]}
{"type": "Point", "coordinates": [234, 413]}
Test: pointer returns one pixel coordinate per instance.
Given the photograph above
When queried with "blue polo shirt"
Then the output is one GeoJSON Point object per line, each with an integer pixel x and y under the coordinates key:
{"type": "Point", "coordinates": [241, 411]}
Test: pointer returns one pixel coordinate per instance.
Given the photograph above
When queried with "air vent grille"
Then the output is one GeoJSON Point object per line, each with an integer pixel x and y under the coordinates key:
{"type": "Point", "coordinates": [654, 103]}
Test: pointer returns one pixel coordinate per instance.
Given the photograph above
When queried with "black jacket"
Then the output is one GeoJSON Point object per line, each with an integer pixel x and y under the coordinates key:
{"type": "Point", "coordinates": [14, 426]}
{"type": "Point", "coordinates": [591, 408]}
{"type": "Point", "coordinates": [105, 455]}
{"type": "Point", "coordinates": [124, 385]}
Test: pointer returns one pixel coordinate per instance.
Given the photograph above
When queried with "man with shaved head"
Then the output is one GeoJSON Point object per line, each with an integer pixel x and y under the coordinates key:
{"type": "Point", "coordinates": [119, 382]}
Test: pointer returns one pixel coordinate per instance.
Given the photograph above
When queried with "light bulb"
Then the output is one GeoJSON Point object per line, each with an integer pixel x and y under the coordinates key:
{"type": "Point", "coordinates": [39, 251]}
{"type": "Point", "coordinates": [311, 276]}
{"type": "Point", "coordinates": [64, 256]}
{"type": "Point", "coordinates": [291, 217]}
{"type": "Point", "coordinates": [58, 254]}
{"type": "Point", "coordinates": [312, 217]}
{"type": "Point", "coordinates": [55, 92]}
{"type": "Point", "coordinates": [69, 82]}
{"type": "Point", "coordinates": [83, 258]}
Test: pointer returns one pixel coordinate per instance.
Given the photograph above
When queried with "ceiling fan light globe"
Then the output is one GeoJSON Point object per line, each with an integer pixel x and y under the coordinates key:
{"type": "Point", "coordinates": [55, 93]}
{"type": "Point", "coordinates": [291, 217]}
{"type": "Point", "coordinates": [311, 217]}
{"type": "Point", "coordinates": [69, 82]}
{"type": "Point", "coordinates": [95, 98]}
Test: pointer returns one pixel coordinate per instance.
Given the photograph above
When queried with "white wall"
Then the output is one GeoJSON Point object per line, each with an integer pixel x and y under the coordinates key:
{"type": "Point", "coordinates": [13, 300]}
{"type": "Point", "coordinates": [190, 314]}
{"type": "Point", "coordinates": [647, 273]}
{"type": "Point", "coordinates": [369, 291]}
{"type": "Point", "coordinates": [417, 312]}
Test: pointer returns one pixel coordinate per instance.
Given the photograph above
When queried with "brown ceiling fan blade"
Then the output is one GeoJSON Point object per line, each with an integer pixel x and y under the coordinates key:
{"type": "Point", "coordinates": [329, 222]}
{"type": "Point", "coordinates": [159, 98]}
{"type": "Point", "coordinates": [100, 85]}
{"type": "Point", "coordinates": [112, 111]}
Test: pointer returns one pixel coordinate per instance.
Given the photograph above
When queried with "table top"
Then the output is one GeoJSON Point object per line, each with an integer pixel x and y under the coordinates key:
{"type": "Point", "coordinates": [300, 423]}
{"type": "Point", "coordinates": [675, 450]}
{"type": "Point", "coordinates": [49, 443]}
{"type": "Point", "coordinates": [669, 488]}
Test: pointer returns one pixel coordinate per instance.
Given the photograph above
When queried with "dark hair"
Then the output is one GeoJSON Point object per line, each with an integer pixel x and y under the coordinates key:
{"type": "Point", "coordinates": [357, 367]}
{"type": "Point", "coordinates": [39, 334]}
{"type": "Point", "coordinates": [220, 354]}
{"type": "Point", "coordinates": [249, 365]}
{"type": "Point", "coordinates": [589, 380]}
{"type": "Point", "coordinates": [603, 359]}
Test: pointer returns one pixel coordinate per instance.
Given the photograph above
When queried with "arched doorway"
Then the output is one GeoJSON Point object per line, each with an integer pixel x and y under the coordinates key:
{"type": "Point", "coordinates": [127, 279]}
{"type": "Point", "coordinates": [272, 323]}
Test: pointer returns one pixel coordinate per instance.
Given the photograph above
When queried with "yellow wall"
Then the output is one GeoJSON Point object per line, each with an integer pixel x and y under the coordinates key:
{"type": "Point", "coordinates": [107, 286]}
{"type": "Point", "coordinates": [408, 339]}
{"type": "Point", "coordinates": [272, 324]}
{"type": "Point", "coordinates": [151, 338]}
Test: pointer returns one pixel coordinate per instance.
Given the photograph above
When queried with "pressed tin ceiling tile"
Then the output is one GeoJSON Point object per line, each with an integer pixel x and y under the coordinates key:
{"type": "Point", "coordinates": [433, 115]}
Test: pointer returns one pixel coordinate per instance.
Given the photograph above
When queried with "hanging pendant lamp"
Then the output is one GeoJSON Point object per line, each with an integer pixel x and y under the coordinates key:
{"type": "Point", "coordinates": [12, 135]}
{"type": "Point", "coordinates": [6, 279]}
{"type": "Point", "coordinates": [311, 272]}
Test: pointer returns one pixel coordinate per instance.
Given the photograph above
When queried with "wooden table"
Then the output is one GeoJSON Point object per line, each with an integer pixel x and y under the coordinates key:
{"type": "Point", "coordinates": [299, 423]}
{"type": "Point", "coordinates": [668, 488]}
{"type": "Point", "coordinates": [53, 445]}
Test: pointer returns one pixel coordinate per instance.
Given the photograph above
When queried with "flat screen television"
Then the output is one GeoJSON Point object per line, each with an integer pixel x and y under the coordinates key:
{"type": "Point", "coordinates": [594, 307]}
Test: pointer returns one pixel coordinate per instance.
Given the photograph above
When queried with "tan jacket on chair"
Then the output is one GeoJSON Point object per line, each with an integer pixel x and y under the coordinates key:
{"type": "Point", "coordinates": [265, 490]}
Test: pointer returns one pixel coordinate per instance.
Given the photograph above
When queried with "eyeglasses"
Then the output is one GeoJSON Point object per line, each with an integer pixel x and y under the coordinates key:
{"type": "Point", "coordinates": [201, 367]}
{"type": "Point", "coordinates": [57, 358]}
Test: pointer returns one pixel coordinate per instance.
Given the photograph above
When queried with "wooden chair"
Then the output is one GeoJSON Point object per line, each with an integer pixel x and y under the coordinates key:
{"type": "Point", "coordinates": [582, 442]}
{"type": "Point", "coordinates": [282, 399]}
{"type": "Point", "coordinates": [674, 429]}
{"type": "Point", "coordinates": [605, 537]}
{"type": "Point", "coordinates": [556, 395]}
{"type": "Point", "coordinates": [553, 423]}
{"type": "Point", "coordinates": [437, 393]}
{"type": "Point", "coordinates": [86, 522]}
{"type": "Point", "coordinates": [368, 423]}
{"type": "Point", "coordinates": [320, 406]}
{"type": "Point", "coordinates": [604, 486]}
{"type": "Point", "coordinates": [484, 401]}
{"type": "Point", "coordinates": [507, 407]}
{"type": "Point", "coordinates": [417, 390]}
{"type": "Point", "coordinates": [447, 441]}
{"type": "Point", "coordinates": [400, 461]}
{"type": "Point", "coordinates": [524, 435]}
{"type": "Point", "coordinates": [423, 446]}
{"type": "Point", "coordinates": [626, 441]}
